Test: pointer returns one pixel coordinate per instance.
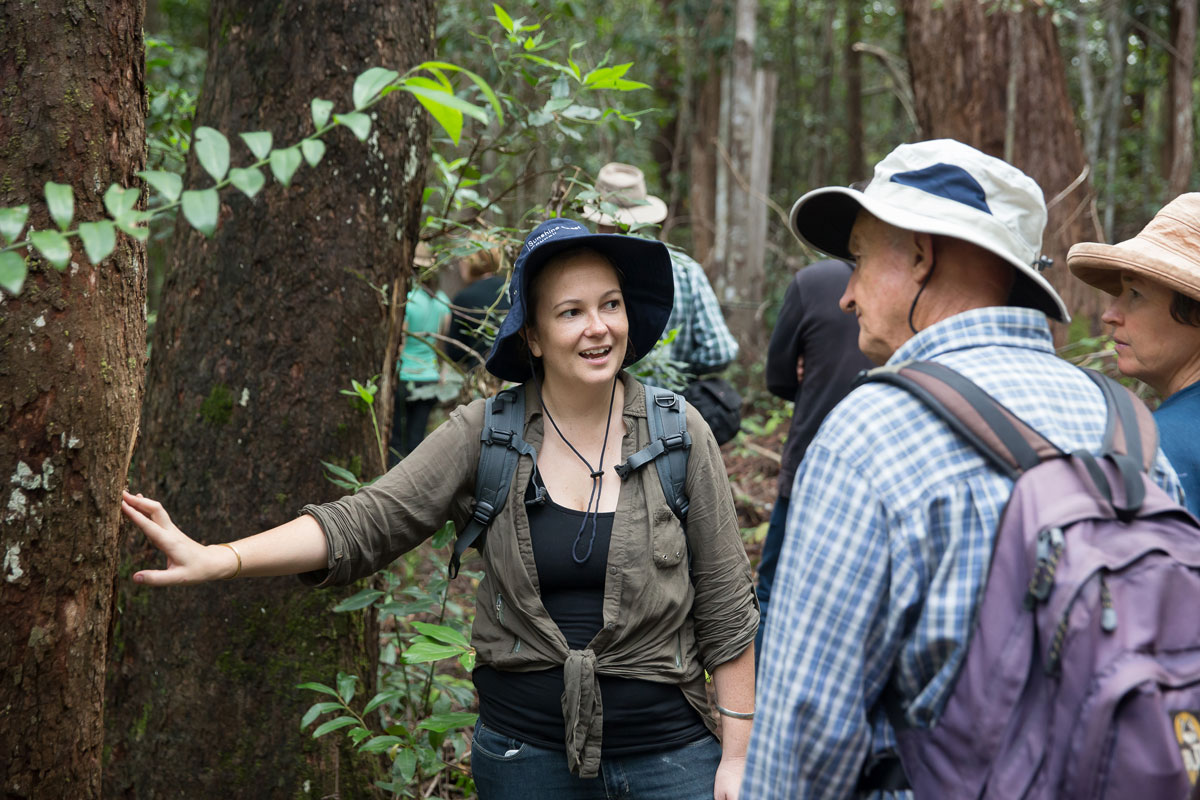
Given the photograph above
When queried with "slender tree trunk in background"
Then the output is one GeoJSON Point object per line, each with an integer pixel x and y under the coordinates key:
{"type": "Point", "coordinates": [821, 159]}
{"type": "Point", "coordinates": [959, 52]}
{"type": "Point", "coordinates": [854, 122]}
{"type": "Point", "coordinates": [72, 360]}
{"type": "Point", "coordinates": [737, 269]}
{"type": "Point", "coordinates": [260, 327]}
{"type": "Point", "coordinates": [702, 145]}
{"type": "Point", "coordinates": [1179, 153]}
{"type": "Point", "coordinates": [1087, 83]}
{"type": "Point", "coordinates": [1114, 94]}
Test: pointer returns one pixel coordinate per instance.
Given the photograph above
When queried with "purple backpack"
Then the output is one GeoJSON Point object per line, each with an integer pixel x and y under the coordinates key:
{"type": "Point", "coordinates": [1082, 677]}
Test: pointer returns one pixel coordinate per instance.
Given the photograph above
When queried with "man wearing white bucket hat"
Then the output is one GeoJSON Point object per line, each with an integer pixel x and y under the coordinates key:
{"type": "Point", "coordinates": [892, 518]}
{"type": "Point", "coordinates": [704, 342]}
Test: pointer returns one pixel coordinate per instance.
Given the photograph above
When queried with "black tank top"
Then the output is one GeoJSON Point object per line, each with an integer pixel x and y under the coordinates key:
{"type": "Point", "coordinates": [639, 716]}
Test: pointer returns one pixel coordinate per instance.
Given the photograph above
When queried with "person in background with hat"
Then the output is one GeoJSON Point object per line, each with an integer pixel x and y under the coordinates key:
{"type": "Point", "coordinates": [426, 312]}
{"type": "Point", "coordinates": [1155, 277]}
{"type": "Point", "coordinates": [478, 305]}
{"type": "Point", "coordinates": [892, 516]}
{"type": "Point", "coordinates": [598, 617]}
{"type": "Point", "coordinates": [703, 342]}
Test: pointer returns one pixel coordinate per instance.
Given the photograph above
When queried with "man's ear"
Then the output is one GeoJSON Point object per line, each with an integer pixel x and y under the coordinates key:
{"type": "Point", "coordinates": [923, 256]}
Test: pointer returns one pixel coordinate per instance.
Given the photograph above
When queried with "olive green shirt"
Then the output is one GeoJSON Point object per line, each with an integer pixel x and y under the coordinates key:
{"type": "Point", "coordinates": [660, 624]}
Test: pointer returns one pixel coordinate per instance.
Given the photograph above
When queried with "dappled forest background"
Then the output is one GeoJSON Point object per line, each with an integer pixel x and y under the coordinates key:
{"type": "Point", "coordinates": [216, 371]}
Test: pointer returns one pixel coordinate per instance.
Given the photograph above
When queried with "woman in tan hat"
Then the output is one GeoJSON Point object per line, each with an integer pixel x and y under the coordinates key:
{"type": "Point", "coordinates": [1155, 277]}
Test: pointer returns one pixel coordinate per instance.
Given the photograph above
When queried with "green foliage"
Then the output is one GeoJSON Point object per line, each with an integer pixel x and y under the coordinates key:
{"type": "Point", "coordinates": [418, 721]}
{"type": "Point", "coordinates": [201, 207]}
{"type": "Point", "coordinates": [217, 408]}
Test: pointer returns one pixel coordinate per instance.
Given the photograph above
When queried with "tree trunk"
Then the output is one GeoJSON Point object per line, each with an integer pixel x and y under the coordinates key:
{"type": "Point", "coordinates": [702, 145]}
{"type": "Point", "coordinates": [854, 121]}
{"type": "Point", "coordinates": [1179, 113]}
{"type": "Point", "coordinates": [72, 349]}
{"type": "Point", "coordinates": [959, 53]}
{"type": "Point", "coordinates": [260, 327]}
{"type": "Point", "coordinates": [821, 159]}
{"type": "Point", "coordinates": [1114, 110]}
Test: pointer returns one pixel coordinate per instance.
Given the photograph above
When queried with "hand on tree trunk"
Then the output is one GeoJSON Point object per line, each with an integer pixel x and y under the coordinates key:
{"type": "Point", "coordinates": [188, 561]}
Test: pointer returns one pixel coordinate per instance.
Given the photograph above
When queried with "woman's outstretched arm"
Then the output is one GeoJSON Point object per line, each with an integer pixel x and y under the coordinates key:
{"type": "Point", "coordinates": [294, 547]}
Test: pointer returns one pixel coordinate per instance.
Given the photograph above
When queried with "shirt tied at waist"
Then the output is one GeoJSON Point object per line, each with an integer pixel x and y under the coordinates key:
{"type": "Point", "coordinates": [583, 713]}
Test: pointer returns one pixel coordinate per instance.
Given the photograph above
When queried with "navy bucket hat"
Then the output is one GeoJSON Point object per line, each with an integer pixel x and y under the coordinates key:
{"type": "Point", "coordinates": [644, 266]}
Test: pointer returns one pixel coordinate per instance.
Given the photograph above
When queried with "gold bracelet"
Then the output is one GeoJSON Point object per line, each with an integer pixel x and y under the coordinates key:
{"type": "Point", "coordinates": [237, 571]}
{"type": "Point", "coordinates": [735, 714]}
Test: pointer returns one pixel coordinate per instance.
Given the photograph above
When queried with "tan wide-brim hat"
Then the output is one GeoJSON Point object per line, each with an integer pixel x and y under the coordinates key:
{"type": "Point", "coordinates": [623, 198]}
{"type": "Point", "coordinates": [1167, 251]}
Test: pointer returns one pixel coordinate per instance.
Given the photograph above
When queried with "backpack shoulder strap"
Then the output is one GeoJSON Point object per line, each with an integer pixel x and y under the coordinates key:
{"type": "Point", "coordinates": [1130, 442]}
{"type": "Point", "coordinates": [502, 446]}
{"type": "Point", "coordinates": [670, 444]}
{"type": "Point", "coordinates": [999, 435]}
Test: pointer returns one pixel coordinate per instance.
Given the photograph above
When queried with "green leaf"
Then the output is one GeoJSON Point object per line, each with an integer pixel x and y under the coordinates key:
{"type": "Point", "coordinates": [360, 600]}
{"type": "Point", "coordinates": [202, 209]}
{"type": "Point", "coordinates": [119, 202]}
{"type": "Point", "coordinates": [490, 95]}
{"type": "Point", "coordinates": [259, 142]}
{"type": "Point", "coordinates": [12, 272]}
{"type": "Point", "coordinates": [467, 660]}
{"type": "Point", "coordinates": [560, 89]}
{"type": "Point", "coordinates": [317, 687]}
{"type": "Point", "coordinates": [503, 18]}
{"type": "Point", "coordinates": [371, 83]}
{"type": "Point", "coordinates": [316, 710]}
{"type": "Point", "coordinates": [99, 239]}
{"type": "Point", "coordinates": [440, 723]}
{"type": "Point", "coordinates": [60, 199]}
{"type": "Point", "coordinates": [212, 148]}
{"type": "Point", "coordinates": [581, 112]}
{"type": "Point", "coordinates": [340, 472]}
{"type": "Point", "coordinates": [359, 124]}
{"type": "Point", "coordinates": [444, 535]}
{"type": "Point", "coordinates": [54, 246]}
{"type": "Point", "coordinates": [167, 184]}
{"type": "Point", "coordinates": [424, 651]}
{"type": "Point", "coordinates": [12, 222]}
{"type": "Point", "coordinates": [321, 109]}
{"type": "Point", "coordinates": [405, 765]}
{"type": "Point", "coordinates": [346, 685]}
{"type": "Point", "coordinates": [333, 725]}
{"type": "Point", "coordinates": [358, 734]}
{"type": "Point", "coordinates": [380, 699]}
{"type": "Point", "coordinates": [313, 150]}
{"type": "Point", "coordinates": [129, 225]}
{"type": "Point", "coordinates": [442, 634]}
{"type": "Point", "coordinates": [250, 180]}
{"type": "Point", "coordinates": [380, 743]}
{"type": "Point", "coordinates": [284, 164]}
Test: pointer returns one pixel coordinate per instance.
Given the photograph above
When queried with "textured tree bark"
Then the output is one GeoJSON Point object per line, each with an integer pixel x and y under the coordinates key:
{"type": "Point", "coordinates": [72, 360]}
{"type": "Point", "coordinates": [959, 57]}
{"type": "Point", "coordinates": [259, 328]}
{"type": "Point", "coordinates": [855, 165]}
{"type": "Point", "coordinates": [1179, 150]}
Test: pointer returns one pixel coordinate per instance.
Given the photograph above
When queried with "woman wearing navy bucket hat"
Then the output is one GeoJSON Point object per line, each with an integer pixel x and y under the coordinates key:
{"type": "Point", "coordinates": [598, 616]}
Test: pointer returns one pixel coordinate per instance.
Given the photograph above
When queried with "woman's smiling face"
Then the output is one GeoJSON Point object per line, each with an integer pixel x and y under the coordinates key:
{"type": "Point", "coordinates": [580, 329]}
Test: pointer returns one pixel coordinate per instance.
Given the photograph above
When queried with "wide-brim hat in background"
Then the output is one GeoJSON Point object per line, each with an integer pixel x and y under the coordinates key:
{"type": "Point", "coordinates": [646, 283]}
{"type": "Point", "coordinates": [1167, 251]}
{"type": "Point", "coordinates": [946, 188]}
{"type": "Point", "coordinates": [624, 187]}
{"type": "Point", "coordinates": [423, 256]}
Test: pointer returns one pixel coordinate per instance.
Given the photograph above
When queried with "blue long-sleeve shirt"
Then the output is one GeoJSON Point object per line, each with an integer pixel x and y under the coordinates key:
{"type": "Point", "coordinates": [889, 538]}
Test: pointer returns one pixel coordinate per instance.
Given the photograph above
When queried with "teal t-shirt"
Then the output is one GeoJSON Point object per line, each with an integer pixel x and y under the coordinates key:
{"type": "Point", "coordinates": [423, 314]}
{"type": "Point", "coordinates": [1178, 421]}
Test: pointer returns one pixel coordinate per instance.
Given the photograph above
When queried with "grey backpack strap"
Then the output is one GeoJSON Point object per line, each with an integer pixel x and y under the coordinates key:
{"type": "Point", "coordinates": [670, 443]}
{"type": "Point", "coordinates": [1130, 442]}
{"type": "Point", "coordinates": [502, 446]}
{"type": "Point", "coordinates": [997, 433]}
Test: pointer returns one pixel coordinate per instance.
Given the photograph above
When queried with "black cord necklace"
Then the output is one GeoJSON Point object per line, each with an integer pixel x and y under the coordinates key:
{"type": "Point", "coordinates": [597, 475]}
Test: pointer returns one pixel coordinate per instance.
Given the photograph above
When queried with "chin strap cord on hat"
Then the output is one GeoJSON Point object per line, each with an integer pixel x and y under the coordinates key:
{"type": "Point", "coordinates": [913, 307]}
{"type": "Point", "coordinates": [597, 475]}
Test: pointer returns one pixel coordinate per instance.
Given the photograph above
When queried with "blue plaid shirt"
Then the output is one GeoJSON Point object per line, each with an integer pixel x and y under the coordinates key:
{"type": "Point", "coordinates": [892, 519]}
{"type": "Point", "coordinates": [703, 342]}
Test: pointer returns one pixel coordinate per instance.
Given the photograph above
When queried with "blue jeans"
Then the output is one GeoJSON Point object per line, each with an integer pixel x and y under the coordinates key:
{"type": "Point", "coordinates": [766, 567]}
{"type": "Point", "coordinates": [507, 769]}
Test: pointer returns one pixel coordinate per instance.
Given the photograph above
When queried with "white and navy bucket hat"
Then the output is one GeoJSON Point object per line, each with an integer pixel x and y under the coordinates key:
{"type": "Point", "coordinates": [946, 188]}
{"type": "Point", "coordinates": [646, 282]}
